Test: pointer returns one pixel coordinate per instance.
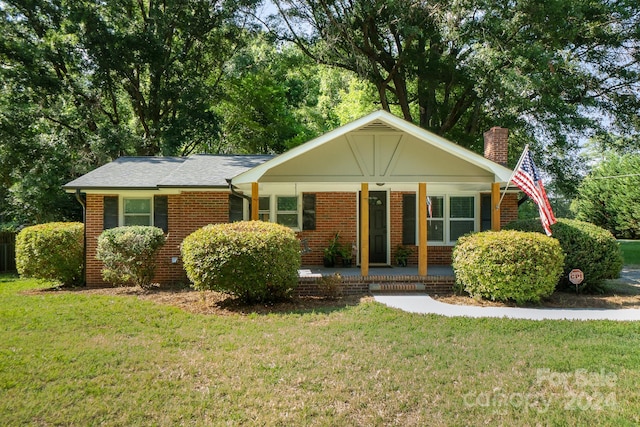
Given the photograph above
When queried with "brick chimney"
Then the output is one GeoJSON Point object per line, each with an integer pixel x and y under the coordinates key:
{"type": "Point", "coordinates": [496, 142]}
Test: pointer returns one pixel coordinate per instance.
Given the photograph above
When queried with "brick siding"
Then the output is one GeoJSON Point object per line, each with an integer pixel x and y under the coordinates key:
{"type": "Point", "coordinates": [188, 212]}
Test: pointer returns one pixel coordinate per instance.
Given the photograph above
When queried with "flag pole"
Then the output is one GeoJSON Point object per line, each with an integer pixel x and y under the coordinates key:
{"type": "Point", "coordinates": [515, 170]}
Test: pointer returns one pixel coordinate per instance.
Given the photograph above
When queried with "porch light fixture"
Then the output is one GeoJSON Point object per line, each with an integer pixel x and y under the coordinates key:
{"type": "Point", "coordinates": [379, 184]}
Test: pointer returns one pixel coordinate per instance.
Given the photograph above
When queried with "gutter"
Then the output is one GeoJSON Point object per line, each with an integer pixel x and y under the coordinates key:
{"type": "Point", "coordinates": [84, 233]}
{"type": "Point", "coordinates": [236, 192]}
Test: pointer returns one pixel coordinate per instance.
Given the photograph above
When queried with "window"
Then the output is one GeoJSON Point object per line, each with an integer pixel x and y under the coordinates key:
{"type": "Point", "coordinates": [461, 216]}
{"type": "Point", "coordinates": [137, 211]}
{"type": "Point", "coordinates": [435, 219]}
{"type": "Point", "coordinates": [264, 208]}
{"type": "Point", "coordinates": [287, 211]}
{"type": "Point", "coordinates": [448, 218]}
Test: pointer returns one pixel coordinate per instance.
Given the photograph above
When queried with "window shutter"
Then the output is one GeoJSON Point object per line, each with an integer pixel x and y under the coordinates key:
{"type": "Point", "coordinates": [161, 212]}
{"type": "Point", "coordinates": [408, 219]}
{"type": "Point", "coordinates": [110, 212]}
{"type": "Point", "coordinates": [236, 211]}
{"type": "Point", "coordinates": [308, 211]}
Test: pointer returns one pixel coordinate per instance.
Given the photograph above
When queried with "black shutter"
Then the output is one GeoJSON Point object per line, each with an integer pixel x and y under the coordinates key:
{"type": "Point", "coordinates": [236, 208]}
{"type": "Point", "coordinates": [308, 211]}
{"type": "Point", "coordinates": [110, 212]}
{"type": "Point", "coordinates": [161, 212]}
{"type": "Point", "coordinates": [408, 219]}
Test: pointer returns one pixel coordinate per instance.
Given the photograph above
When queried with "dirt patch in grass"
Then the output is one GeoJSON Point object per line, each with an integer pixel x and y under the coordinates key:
{"type": "Point", "coordinates": [216, 303]}
{"type": "Point", "coordinates": [619, 293]}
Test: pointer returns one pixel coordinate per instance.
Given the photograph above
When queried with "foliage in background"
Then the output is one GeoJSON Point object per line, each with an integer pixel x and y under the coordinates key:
{"type": "Point", "coordinates": [610, 196]}
{"type": "Point", "coordinates": [52, 251]}
{"type": "Point", "coordinates": [508, 265]}
{"type": "Point", "coordinates": [547, 72]}
{"type": "Point", "coordinates": [129, 254]}
{"type": "Point", "coordinates": [253, 260]}
{"type": "Point", "coordinates": [586, 246]}
{"type": "Point", "coordinates": [84, 82]}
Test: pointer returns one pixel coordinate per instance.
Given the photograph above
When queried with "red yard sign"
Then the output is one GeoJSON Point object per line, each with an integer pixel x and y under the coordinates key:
{"type": "Point", "coordinates": [576, 276]}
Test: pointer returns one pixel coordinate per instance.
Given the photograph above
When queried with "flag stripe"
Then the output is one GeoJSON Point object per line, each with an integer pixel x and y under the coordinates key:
{"type": "Point", "coordinates": [528, 180]}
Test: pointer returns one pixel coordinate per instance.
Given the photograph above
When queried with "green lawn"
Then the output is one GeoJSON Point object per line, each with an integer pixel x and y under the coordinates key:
{"type": "Point", "coordinates": [75, 359]}
{"type": "Point", "coordinates": [630, 252]}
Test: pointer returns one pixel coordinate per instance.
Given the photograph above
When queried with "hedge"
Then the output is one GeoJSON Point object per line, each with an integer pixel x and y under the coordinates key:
{"type": "Point", "coordinates": [129, 254]}
{"type": "Point", "coordinates": [253, 260]}
{"type": "Point", "coordinates": [508, 265]}
{"type": "Point", "coordinates": [587, 247]}
{"type": "Point", "coordinates": [52, 251]}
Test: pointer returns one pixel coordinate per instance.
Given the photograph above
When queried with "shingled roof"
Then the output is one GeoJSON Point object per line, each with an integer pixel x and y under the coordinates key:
{"type": "Point", "coordinates": [137, 173]}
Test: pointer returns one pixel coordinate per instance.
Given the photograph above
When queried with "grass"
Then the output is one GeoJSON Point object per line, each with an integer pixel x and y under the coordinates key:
{"type": "Point", "coordinates": [73, 359]}
{"type": "Point", "coordinates": [630, 252]}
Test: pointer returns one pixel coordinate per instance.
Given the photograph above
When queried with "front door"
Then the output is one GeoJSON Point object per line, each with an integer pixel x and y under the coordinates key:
{"type": "Point", "coordinates": [378, 227]}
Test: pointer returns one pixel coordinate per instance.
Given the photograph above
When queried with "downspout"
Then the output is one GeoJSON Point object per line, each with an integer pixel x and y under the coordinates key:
{"type": "Point", "coordinates": [84, 233]}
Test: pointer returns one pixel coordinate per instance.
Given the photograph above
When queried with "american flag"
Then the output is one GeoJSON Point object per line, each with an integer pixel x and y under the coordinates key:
{"type": "Point", "coordinates": [528, 179]}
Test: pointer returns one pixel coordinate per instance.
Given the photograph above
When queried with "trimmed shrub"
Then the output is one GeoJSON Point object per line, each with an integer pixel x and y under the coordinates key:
{"type": "Point", "coordinates": [52, 251]}
{"type": "Point", "coordinates": [588, 247]}
{"type": "Point", "coordinates": [129, 254]}
{"type": "Point", "coordinates": [253, 260]}
{"type": "Point", "coordinates": [508, 265]}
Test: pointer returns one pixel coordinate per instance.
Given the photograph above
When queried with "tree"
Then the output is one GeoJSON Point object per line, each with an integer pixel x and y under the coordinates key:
{"type": "Point", "coordinates": [547, 70]}
{"type": "Point", "coordinates": [84, 82]}
{"type": "Point", "coordinates": [609, 196]}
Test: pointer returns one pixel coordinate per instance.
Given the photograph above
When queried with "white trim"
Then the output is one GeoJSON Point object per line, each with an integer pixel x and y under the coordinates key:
{"type": "Point", "coordinates": [502, 174]}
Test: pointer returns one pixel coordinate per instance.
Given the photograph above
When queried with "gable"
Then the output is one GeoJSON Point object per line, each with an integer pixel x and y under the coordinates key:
{"type": "Point", "coordinates": [378, 148]}
{"type": "Point", "coordinates": [388, 157]}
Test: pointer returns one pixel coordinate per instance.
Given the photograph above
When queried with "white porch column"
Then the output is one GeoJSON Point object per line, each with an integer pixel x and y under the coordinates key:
{"type": "Point", "coordinates": [364, 229]}
{"type": "Point", "coordinates": [422, 229]}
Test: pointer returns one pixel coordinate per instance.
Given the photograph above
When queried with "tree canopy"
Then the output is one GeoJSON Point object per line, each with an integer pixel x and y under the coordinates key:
{"type": "Point", "coordinates": [609, 196]}
{"type": "Point", "coordinates": [84, 82]}
{"type": "Point", "coordinates": [548, 70]}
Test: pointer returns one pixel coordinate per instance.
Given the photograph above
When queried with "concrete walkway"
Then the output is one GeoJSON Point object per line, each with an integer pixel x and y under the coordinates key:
{"type": "Point", "coordinates": [426, 305]}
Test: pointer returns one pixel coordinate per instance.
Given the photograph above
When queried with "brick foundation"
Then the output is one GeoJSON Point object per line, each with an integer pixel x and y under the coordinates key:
{"type": "Point", "coordinates": [358, 285]}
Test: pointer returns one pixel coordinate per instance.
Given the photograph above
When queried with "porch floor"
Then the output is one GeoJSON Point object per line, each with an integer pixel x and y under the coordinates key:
{"type": "Point", "coordinates": [315, 280]}
{"type": "Point", "coordinates": [375, 273]}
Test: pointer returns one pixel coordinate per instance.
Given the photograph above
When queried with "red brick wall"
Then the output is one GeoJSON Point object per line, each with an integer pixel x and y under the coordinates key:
{"type": "Point", "coordinates": [187, 212]}
{"type": "Point", "coordinates": [508, 209]}
{"type": "Point", "coordinates": [496, 145]}
{"type": "Point", "coordinates": [335, 212]}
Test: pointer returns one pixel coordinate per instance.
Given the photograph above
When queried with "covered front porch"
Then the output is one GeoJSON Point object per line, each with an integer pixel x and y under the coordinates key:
{"type": "Point", "coordinates": [316, 280]}
{"type": "Point", "coordinates": [379, 183]}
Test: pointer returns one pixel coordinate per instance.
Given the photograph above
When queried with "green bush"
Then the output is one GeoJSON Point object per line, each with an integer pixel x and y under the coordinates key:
{"type": "Point", "coordinates": [588, 247]}
{"type": "Point", "coordinates": [52, 251]}
{"type": "Point", "coordinates": [612, 203]}
{"type": "Point", "coordinates": [129, 254]}
{"type": "Point", "coordinates": [508, 265]}
{"type": "Point", "coordinates": [253, 260]}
